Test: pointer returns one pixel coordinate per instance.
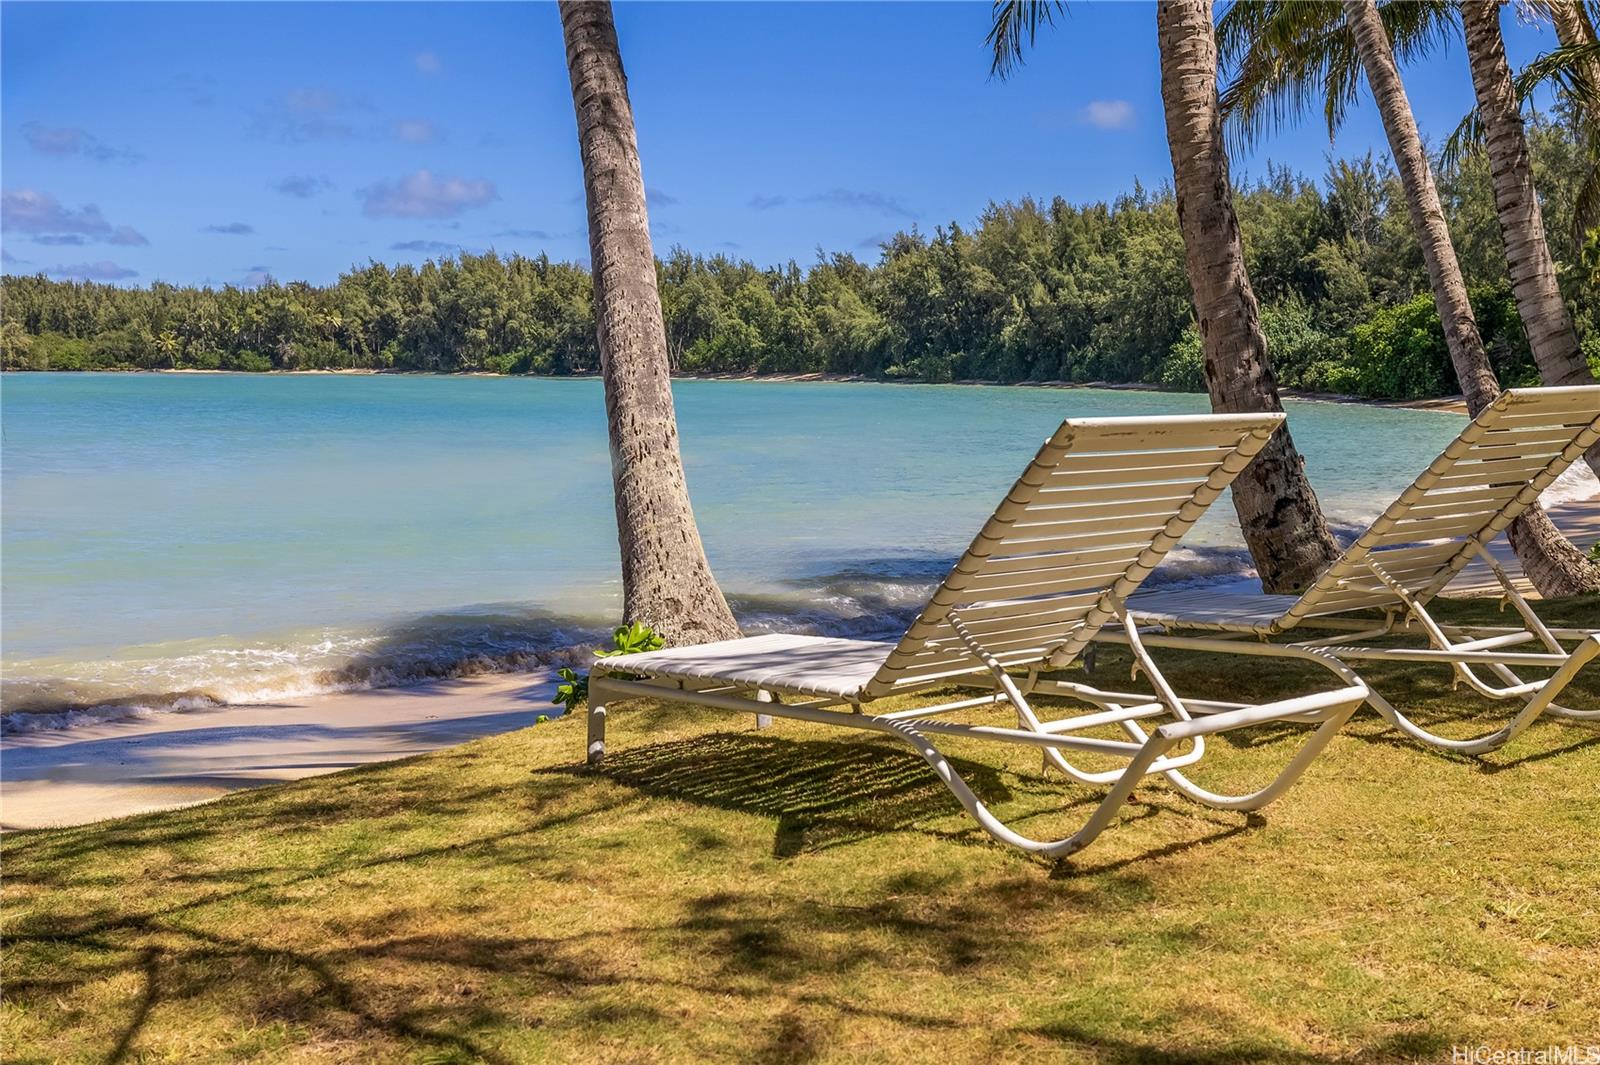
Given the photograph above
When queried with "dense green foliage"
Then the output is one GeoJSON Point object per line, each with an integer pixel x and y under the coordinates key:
{"type": "Point", "coordinates": [1033, 292]}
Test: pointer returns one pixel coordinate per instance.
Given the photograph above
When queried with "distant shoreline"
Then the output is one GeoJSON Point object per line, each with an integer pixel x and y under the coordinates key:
{"type": "Point", "coordinates": [1450, 404]}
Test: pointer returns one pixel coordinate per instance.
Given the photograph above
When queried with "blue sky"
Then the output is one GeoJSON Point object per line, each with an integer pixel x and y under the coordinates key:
{"type": "Point", "coordinates": [220, 143]}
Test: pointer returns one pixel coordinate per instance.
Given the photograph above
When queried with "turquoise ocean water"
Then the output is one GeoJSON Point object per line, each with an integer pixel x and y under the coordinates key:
{"type": "Point", "coordinates": [179, 539]}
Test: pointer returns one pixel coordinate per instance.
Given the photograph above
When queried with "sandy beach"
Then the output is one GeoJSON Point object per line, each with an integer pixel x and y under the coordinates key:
{"type": "Point", "coordinates": [91, 772]}
{"type": "Point", "coordinates": [1454, 403]}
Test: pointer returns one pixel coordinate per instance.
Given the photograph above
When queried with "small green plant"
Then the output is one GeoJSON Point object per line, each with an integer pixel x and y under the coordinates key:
{"type": "Point", "coordinates": [1594, 551]}
{"type": "Point", "coordinates": [573, 689]}
{"type": "Point", "coordinates": [631, 639]}
{"type": "Point", "coordinates": [625, 640]}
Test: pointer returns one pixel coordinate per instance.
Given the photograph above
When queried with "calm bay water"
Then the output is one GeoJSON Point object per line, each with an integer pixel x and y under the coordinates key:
{"type": "Point", "coordinates": [179, 538]}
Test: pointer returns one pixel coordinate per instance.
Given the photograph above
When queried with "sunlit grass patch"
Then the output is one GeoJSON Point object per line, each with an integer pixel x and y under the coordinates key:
{"type": "Point", "coordinates": [794, 894]}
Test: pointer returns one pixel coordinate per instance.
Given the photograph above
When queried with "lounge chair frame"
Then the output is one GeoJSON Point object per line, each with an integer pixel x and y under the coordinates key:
{"type": "Point", "coordinates": [1461, 503]}
{"type": "Point", "coordinates": [1043, 576]}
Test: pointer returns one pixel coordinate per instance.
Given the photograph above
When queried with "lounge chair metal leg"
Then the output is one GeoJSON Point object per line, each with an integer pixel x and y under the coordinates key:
{"type": "Point", "coordinates": [1298, 765]}
{"type": "Point", "coordinates": [1541, 702]}
{"type": "Point", "coordinates": [1103, 815]}
{"type": "Point", "coordinates": [763, 720]}
{"type": "Point", "coordinates": [597, 722]}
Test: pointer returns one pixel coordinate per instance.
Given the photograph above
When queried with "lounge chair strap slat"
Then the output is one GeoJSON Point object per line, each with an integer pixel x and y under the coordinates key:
{"type": "Point", "coordinates": [1092, 515]}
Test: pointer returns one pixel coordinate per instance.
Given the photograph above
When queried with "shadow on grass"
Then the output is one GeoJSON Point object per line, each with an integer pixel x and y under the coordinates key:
{"type": "Point", "coordinates": [454, 992]}
{"type": "Point", "coordinates": [788, 951]}
{"type": "Point", "coordinates": [827, 794]}
{"type": "Point", "coordinates": [823, 793]}
{"type": "Point", "coordinates": [1407, 1046]}
{"type": "Point", "coordinates": [1426, 694]}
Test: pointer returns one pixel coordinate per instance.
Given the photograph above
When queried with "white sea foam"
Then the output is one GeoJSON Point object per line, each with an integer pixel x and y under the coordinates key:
{"type": "Point", "coordinates": [56, 695]}
{"type": "Point", "coordinates": [1574, 486]}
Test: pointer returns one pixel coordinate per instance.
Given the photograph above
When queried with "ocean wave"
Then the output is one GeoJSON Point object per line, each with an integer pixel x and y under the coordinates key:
{"type": "Point", "coordinates": [72, 717]}
{"type": "Point", "coordinates": [865, 599]}
{"type": "Point", "coordinates": [146, 681]}
{"type": "Point", "coordinates": [873, 598]}
{"type": "Point", "coordinates": [1576, 485]}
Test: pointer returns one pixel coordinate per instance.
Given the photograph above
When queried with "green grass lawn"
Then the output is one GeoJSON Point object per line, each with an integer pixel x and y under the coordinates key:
{"type": "Point", "coordinates": [720, 893]}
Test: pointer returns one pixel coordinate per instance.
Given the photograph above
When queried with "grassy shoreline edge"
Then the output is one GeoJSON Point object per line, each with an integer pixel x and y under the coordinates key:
{"type": "Point", "coordinates": [718, 893]}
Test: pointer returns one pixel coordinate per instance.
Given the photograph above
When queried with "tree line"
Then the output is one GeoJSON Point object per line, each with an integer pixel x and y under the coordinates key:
{"type": "Point", "coordinates": [1031, 291]}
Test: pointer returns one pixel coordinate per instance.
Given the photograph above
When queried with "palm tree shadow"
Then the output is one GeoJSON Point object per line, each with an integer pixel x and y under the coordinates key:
{"type": "Point", "coordinates": [823, 794]}
{"type": "Point", "coordinates": [826, 794]}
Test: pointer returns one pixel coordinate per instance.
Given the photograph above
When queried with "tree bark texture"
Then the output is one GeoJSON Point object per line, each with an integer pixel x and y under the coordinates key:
{"type": "Point", "coordinates": [1278, 511]}
{"type": "Point", "coordinates": [666, 580]}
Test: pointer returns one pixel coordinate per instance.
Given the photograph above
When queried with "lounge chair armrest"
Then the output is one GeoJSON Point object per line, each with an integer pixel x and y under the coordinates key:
{"type": "Point", "coordinates": [1282, 710]}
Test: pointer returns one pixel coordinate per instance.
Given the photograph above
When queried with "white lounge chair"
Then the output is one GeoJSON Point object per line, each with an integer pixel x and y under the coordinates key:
{"type": "Point", "coordinates": [1095, 511]}
{"type": "Point", "coordinates": [1488, 476]}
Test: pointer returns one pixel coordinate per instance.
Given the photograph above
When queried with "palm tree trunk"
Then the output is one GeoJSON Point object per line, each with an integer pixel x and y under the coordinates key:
{"type": "Point", "coordinates": [1461, 335]}
{"type": "Point", "coordinates": [1533, 272]}
{"type": "Point", "coordinates": [1551, 562]}
{"type": "Point", "coordinates": [1278, 511]}
{"type": "Point", "coordinates": [666, 580]}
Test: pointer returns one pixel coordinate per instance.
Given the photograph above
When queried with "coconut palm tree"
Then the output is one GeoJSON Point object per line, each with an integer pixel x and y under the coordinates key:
{"type": "Point", "coordinates": [1574, 68]}
{"type": "Point", "coordinates": [1289, 54]}
{"type": "Point", "coordinates": [1531, 267]}
{"type": "Point", "coordinates": [1477, 379]}
{"type": "Point", "coordinates": [1576, 65]}
{"type": "Point", "coordinates": [1278, 511]}
{"type": "Point", "coordinates": [666, 580]}
{"type": "Point", "coordinates": [168, 343]}
{"type": "Point", "coordinates": [1552, 563]}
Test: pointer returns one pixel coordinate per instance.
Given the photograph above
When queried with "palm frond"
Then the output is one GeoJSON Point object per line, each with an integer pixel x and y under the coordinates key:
{"type": "Point", "coordinates": [1566, 69]}
{"type": "Point", "coordinates": [1465, 139]}
{"type": "Point", "coordinates": [1013, 26]}
{"type": "Point", "coordinates": [1283, 58]}
{"type": "Point", "coordinates": [1276, 55]}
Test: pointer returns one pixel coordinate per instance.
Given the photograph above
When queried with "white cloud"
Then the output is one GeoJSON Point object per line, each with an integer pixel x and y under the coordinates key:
{"type": "Point", "coordinates": [424, 195]}
{"type": "Point", "coordinates": [879, 202]}
{"type": "Point", "coordinates": [306, 114]}
{"type": "Point", "coordinates": [415, 131]}
{"type": "Point", "coordinates": [44, 218]}
{"type": "Point", "coordinates": [1109, 114]}
{"type": "Point", "coordinates": [312, 100]}
{"type": "Point", "coordinates": [231, 229]}
{"type": "Point", "coordinates": [436, 247]}
{"type": "Point", "coordinates": [64, 140]}
{"type": "Point", "coordinates": [32, 211]}
{"type": "Point", "coordinates": [303, 186]}
{"type": "Point", "coordinates": [428, 63]}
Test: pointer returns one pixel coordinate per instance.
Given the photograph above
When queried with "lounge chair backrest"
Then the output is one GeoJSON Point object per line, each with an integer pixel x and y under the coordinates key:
{"type": "Point", "coordinates": [1093, 514]}
{"type": "Point", "coordinates": [1485, 479]}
